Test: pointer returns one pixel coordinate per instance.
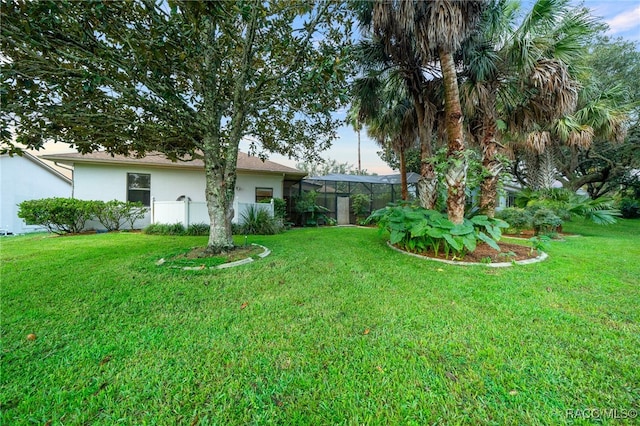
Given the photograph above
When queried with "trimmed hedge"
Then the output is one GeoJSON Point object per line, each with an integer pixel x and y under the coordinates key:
{"type": "Point", "coordinates": [114, 214]}
{"type": "Point", "coordinates": [70, 215]}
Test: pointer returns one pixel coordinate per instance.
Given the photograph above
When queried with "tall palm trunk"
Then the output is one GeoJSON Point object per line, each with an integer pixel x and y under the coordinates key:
{"type": "Point", "coordinates": [359, 161]}
{"type": "Point", "coordinates": [403, 174]}
{"type": "Point", "coordinates": [492, 168]}
{"type": "Point", "coordinates": [457, 174]}
{"type": "Point", "coordinates": [540, 169]}
{"type": "Point", "coordinates": [490, 164]}
{"type": "Point", "coordinates": [428, 182]}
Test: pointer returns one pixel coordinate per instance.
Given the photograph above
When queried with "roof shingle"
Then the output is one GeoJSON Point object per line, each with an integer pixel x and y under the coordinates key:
{"type": "Point", "coordinates": [245, 163]}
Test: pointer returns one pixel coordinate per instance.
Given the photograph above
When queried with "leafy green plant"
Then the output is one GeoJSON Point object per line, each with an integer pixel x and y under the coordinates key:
{"type": "Point", "coordinates": [165, 229]}
{"type": "Point", "coordinates": [539, 243]}
{"type": "Point", "coordinates": [197, 230]}
{"type": "Point", "coordinates": [309, 212]}
{"type": "Point", "coordinates": [517, 218]}
{"type": "Point", "coordinates": [629, 208]}
{"type": "Point", "coordinates": [509, 255]}
{"type": "Point", "coordinates": [360, 205]}
{"type": "Point", "coordinates": [415, 229]}
{"type": "Point", "coordinates": [279, 207]}
{"type": "Point", "coordinates": [257, 221]}
{"type": "Point", "coordinates": [323, 219]}
{"type": "Point", "coordinates": [114, 214]}
{"type": "Point", "coordinates": [566, 204]}
{"type": "Point", "coordinates": [545, 222]}
{"type": "Point", "coordinates": [58, 215]}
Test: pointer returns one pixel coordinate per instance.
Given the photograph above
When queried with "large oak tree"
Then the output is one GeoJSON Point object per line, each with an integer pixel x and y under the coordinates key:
{"type": "Point", "coordinates": [188, 79]}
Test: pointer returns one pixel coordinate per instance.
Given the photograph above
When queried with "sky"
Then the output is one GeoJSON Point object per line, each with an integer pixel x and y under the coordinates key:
{"type": "Point", "coordinates": [622, 16]}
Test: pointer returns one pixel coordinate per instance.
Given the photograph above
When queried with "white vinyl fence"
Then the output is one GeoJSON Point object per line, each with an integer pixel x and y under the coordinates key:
{"type": "Point", "coordinates": [190, 212]}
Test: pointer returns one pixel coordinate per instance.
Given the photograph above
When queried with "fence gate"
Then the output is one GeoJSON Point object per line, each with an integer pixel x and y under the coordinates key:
{"type": "Point", "coordinates": [343, 211]}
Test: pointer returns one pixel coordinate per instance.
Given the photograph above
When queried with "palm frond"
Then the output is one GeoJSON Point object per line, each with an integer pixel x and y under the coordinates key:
{"type": "Point", "coordinates": [557, 92]}
{"type": "Point", "coordinates": [537, 142]}
{"type": "Point", "coordinates": [446, 23]}
{"type": "Point", "coordinates": [599, 211]}
{"type": "Point", "coordinates": [581, 139]}
{"type": "Point", "coordinates": [572, 34]}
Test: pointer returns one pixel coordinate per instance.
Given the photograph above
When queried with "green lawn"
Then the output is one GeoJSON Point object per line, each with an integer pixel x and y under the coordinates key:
{"type": "Point", "coordinates": [332, 328]}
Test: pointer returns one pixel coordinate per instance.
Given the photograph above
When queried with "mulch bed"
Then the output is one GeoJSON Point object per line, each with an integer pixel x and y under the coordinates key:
{"type": "Point", "coordinates": [507, 253]}
{"type": "Point", "coordinates": [238, 253]}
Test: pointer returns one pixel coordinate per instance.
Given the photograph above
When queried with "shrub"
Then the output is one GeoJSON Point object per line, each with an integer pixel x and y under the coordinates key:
{"type": "Point", "coordinates": [58, 215]}
{"type": "Point", "coordinates": [197, 230]}
{"type": "Point", "coordinates": [565, 204]}
{"type": "Point", "coordinates": [360, 204]}
{"type": "Point", "coordinates": [546, 222]}
{"type": "Point", "coordinates": [164, 229]}
{"type": "Point", "coordinates": [279, 213]}
{"type": "Point", "coordinates": [236, 229]}
{"type": "Point", "coordinates": [629, 208]}
{"type": "Point", "coordinates": [114, 214]}
{"type": "Point", "coordinates": [257, 221]}
{"type": "Point", "coordinates": [279, 207]}
{"type": "Point", "coordinates": [419, 230]}
{"type": "Point", "coordinates": [517, 218]}
{"type": "Point", "coordinates": [309, 211]}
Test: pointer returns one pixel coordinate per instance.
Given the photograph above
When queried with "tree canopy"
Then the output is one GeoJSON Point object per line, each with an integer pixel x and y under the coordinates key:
{"type": "Point", "coordinates": [188, 79]}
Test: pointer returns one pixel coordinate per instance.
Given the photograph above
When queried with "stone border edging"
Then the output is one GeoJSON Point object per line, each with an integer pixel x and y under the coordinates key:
{"type": "Point", "coordinates": [537, 259]}
{"type": "Point", "coordinates": [244, 261]}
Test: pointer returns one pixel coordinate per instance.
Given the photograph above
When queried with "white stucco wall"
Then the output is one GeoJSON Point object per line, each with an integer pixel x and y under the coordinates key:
{"type": "Point", "coordinates": [246, 185]}
{"type": "Point", "coordinates": [109, 182]}
{"type": "Point", "coordinates": [106, 182]}
{"type": "Point", "coordinates": [103, 182]}
{"type": "Point", "coordinates": [21, 179]}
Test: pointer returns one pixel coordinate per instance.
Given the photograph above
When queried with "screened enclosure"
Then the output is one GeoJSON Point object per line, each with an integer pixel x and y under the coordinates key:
{"type": "Point", "coordinates": [329, 199]}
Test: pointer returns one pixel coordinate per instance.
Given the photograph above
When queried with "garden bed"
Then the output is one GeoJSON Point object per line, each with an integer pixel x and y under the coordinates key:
{"type": "Point", "coordinates": [197, 258]}
{"type": "Point", "coordinates": [484, 254]}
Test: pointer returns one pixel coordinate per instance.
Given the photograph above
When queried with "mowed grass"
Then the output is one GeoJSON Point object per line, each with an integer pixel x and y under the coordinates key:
{"type": "Point", "coordinates": [332, 328]}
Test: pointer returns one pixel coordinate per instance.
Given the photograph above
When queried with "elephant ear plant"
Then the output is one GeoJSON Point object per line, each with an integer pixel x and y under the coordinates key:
{"type": "Point", "coordinates": [418, 230]}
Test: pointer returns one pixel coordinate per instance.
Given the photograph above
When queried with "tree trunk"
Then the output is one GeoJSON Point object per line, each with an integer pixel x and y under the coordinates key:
{"type": "Point", "coordinates": [540, 169]}
{"type": "Point", "coordinates": [428, 183]}
{"type": "Point", "coordinates": [219, 191]}
{"type": "Point", "coordinates": [359, 162]}
{"type": "Point", "coordinates": [491, 167]}
{"type": "Point", "coordinates": [457, 174]}
{"type": "Point", "coordinates": [403, 175]}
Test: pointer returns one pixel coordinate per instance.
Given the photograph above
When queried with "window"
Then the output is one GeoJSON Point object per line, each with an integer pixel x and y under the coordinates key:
{"type": "Point", "coordinates": [511, 199]}
{"type": "Point", "coordinates": [263, 194]}
{"type": "Point", "coordinates": [139, 188]}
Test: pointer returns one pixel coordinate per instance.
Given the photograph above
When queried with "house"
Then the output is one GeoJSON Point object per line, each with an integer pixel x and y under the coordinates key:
{"type": "Point", "coordinates": [24, 178]}
{"type": "Point", "coordinates": [173, 191]}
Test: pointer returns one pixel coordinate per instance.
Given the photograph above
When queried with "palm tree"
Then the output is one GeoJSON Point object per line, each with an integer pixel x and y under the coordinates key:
{"type": "Point", "coordinates": [600, 114]}
{"type": "Point", "coordinates": [353, 119]}
{"type": "Point", "coordinates": [389, 48]}
{"type": "Point", "coordinates": [396, 126]}
{"type": "Point", "coordinates": [440, 27]}
{"type": "Point", "coordinates": [518, 76]}
{"type": "Point", "coordinates": [389, 115]}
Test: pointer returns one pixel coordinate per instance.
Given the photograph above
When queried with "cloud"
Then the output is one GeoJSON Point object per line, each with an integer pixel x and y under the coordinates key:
{"type": "Point", "coordinates": [624, 21]}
